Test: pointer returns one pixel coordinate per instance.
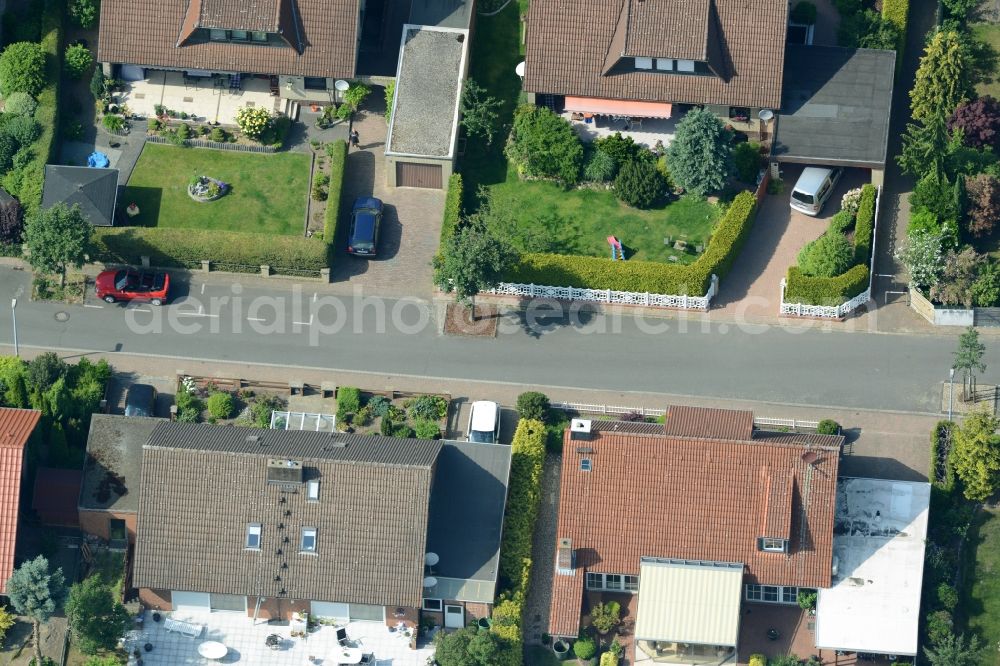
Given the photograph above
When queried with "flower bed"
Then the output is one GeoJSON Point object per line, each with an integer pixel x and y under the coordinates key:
{"type": "Point", "coordinates": [390, 413]}
{"type": "Point", "coordinates": [204, 189]}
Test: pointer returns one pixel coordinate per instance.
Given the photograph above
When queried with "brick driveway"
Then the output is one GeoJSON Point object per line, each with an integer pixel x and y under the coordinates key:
{"type": "Point", "coordinates": [411, 224]}
{"type": "Point", "coordinates": [752, 290]}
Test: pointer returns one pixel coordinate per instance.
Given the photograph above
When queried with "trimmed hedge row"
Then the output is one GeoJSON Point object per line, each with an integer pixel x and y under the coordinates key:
{"type": "Point", "coordinates": [559, 270]}
{"type": "Point", "coordinates": [897, 12]}
{"type": "Point", "coordinates": [452, 207]}
{"type": "Point", "coordinates": [338, 161]}
{"type": "Point", "coordinates": [942, 430]}
{"type": "Point", "coordinates": [186, 248]}
{"type": "Point", "coordinates": [26, 183]}
{"type": "Point", "coordinates": [864, 224]}
{"type": "Point", "coordinates": [523, 497]}
{"type": "Point", "coordinates": [801, 288]}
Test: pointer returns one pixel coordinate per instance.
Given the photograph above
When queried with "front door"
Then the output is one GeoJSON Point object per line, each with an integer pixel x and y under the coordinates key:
{"type": "Point", "coordinates": [454, 617]}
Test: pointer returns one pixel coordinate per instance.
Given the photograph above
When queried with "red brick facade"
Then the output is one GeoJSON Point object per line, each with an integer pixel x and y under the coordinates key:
{"type": "Point", "coordinates": [97, 523]}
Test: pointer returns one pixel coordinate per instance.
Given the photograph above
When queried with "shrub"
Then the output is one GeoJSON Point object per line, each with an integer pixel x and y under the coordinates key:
{"type": "Point", "coordinates": [979, 122]}
{"type": "Point", "coordinates": [186, 248]}
{"type": "Point", "coordinates": [699, 155]}
{"type": "Point", "coordinates": [533, 405]}
{"type": "Point", "coordinates": [431, 407]}
{"type": "Point", "coordinates": [645, 276]}
{"type": "Point", "coordinates": [220, 405]}
{"type": "Point", "coordinates": [942, 472]}
{"type": "Point", "coordinates": [426, 429]}
{"type": "Point", "coordinates": [850, 201]}
{"type": "Point", "coordinates": [801, 288]}
{"type": "Point", "coordinates": [84, 12]}
{"type": "Point", "coordinates": [758, 660]}
{"type": "Point", "coordinates": [403, 431]}
{"type": "Point", "coordinates": [22, 68]}
{"type": "Point", "coordinates": [609, 659]}
{"type": "Point", "coordinates": [620, 148]}
{"type": "Point", "coordinates": [585, 648]}
{"type": "Point", "coordinates": [939, 625]}
{"type": "Point", "coordinates": [827, 256]}
{"type": "Point", "coordinates": [380, 405]}
{"type": "Point", "coordinates": [318, 192]}
{"type": "Point", "coordinates": [958, 275]}
{"type": "Point", "coordinates": [253, 121]}
{"type": "Point", "coordinates": [11, 222]}
{"type": "Point", "coordinates": [840, 223]}
{"type": "Point", "coordinates": [986, 288]}
{"type": "Point", "coordinates": [897, 12]}
{"type": "Point", "coordinates": [114, 123]}
{"type": "Point", "coordinates": [806, 600]}
{"type": "Point", "coordinates": [828, 427]}
{"type": "Point", "coordinates": [937, 194]}
{"type": "Point", "coordinates": [639, 184]}
{"type": "Point", "coordinates": [390, 95]}
{"type": "Point", "coordinates": [599, 167]}
{"type": "Point", "coordinates": [983, 207]}
{"type": "Point", "coordinates": [452, 207]}
{"type": "Point", "coordinates": [24, 129]}
{"type": "Point", "coordinates": [947, 597]}
{"type": "Point", "coordinates": [348, 400]}
{"type": "Point", "coordinates": [20, 103]}
{"type": "Point", "coordinates": [524, 494]}
{"type": "Point", "coordinates": [746, 156]}
{"type": "Point", "coordinates": [545, 145]}
{"type": "Point", "coordinates": [77, 59]}
{"type": "Point", "coordinates": [218, 135]}
{"type": "Point", "coordinates": [864, 225]}
{"type": "Point", "coordinates": [338, 161]}
{"type": "Point", "coordinates": [804, 12]}
{"type": "Point", "coordinates": [8, 146]}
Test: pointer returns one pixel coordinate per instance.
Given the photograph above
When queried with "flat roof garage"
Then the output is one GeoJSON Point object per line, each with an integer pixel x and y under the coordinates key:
{"type": "Point", "coordinates": [835, 106]}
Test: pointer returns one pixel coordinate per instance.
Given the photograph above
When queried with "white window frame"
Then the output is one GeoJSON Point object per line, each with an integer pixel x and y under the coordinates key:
{"type": "Point", "coordinates": [644, 63]}
{"type": "Point", "coordinates": [788, 596]}
{"type": "Point", "coordinates": [439, 602]}
{"type": "Point", "coordinates": [631, 583]}
{"type": "Point", "coordinates": [685, 65]}
{"type": "Point", "coordinates": [665, 64]}
{"type": "Point", "coordinates": [626, 583]}
{"type": "Point", "coordinates": [312, 491]}
{"type": "Point", "coordinates": [253, 530]}
{"type": "Point", "coordinates": [308, 532]}
{"type": "Point", "coordinates": [772, 545]}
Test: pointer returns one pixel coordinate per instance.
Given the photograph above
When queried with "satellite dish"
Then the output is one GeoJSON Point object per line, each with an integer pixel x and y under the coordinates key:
{"type": "Point", "coordinates": [341, 85]}
{"type": "Point", "coordinates": [765, 114]}
{"type": "Point", "coordinates": [519, 70]}
{"type": "Point", "coordinates": [430, 559]}
{"type": "Point", "coordinates": [430, 581]}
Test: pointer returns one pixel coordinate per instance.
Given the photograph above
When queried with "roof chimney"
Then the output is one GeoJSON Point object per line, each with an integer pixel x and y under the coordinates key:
{"type": "Point", "coordinates": [565, 557]}
{"type": "Point", "coordinates": [579, 430]}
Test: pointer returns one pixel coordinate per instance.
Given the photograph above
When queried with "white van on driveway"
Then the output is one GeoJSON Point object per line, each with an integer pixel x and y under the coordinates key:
{"type": "Point", "coordinates": [813, 189]}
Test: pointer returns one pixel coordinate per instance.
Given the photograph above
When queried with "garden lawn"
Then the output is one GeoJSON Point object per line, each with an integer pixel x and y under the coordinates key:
{"type": "Point", "coordinates": [989, 33]}
{"type": "Point", "coordinates": [579, 221]}
{"type": "Point", "coordinates": [981, 601]}
{"type": "Point", "coordinates": [268, 192]}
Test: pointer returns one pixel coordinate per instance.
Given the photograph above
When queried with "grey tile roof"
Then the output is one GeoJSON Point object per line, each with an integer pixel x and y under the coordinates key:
{"type": "Point", "coordinates": [571, 42]}
{"type": "Point", "coordinates": [467, 506]}
{"type": "Point", "coordinates": [259, 15]}
{"type": "Point", "coordinates": [202, 485]}
{"type": "Point", "coordinates": [114, 456]}
{"type": "Point", "coordinates": [675, 29]}
{"type": "Point", "coordinates": [94, 190]}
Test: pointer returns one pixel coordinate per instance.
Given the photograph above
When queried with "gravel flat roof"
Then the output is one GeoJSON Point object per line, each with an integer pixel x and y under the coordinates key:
{"type": "Point", "coordinates": [425, 115]}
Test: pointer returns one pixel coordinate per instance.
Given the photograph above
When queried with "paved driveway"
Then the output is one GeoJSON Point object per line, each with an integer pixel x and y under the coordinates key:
{"type": "Point", "coordinates": [411, 225]}
{"type": "Point", "coordinates": [753, 287]}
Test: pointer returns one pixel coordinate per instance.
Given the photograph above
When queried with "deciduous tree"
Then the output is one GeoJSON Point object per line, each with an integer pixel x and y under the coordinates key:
{"type": "Point", "coordinates": [979, 121]}
{"type": "Point", "coordinates": [921, 254]}
{"type": "Point", "coordinates": [35, 591]}
{"type": "Point", "coordinates": [22, 68]}
{"type": "Point", "coordinates": [543, 144]}
{"type": "Point", "coordinates": [473, 260]}
{"type": "Point", "coordinates": [97, 619]}
{"type": "Point", "coordinates": [955, 651]}
{"type": "Point", "coordinates": [969, 359]}
{"type": "Point", "coordinates": [57, 238]}
{"type": "Point", "coordinates": [699, 156]}
{"type": "Point", "coordinates": [976, 454]}
{"type": "Point", "coordinates": [480, 111]}
{"type": "Point", "coordinates": [983, 208]}
{"type": "Point", "coordinates": [958, 274]}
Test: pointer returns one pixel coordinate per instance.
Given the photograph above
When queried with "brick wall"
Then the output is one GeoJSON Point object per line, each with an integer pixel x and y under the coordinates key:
{"type": "Point", "coordinates": [155, 599]}
{"type": "Point", "coordinates": [272, 608]}
{"type": "Point", "coordinates": [97, 522]}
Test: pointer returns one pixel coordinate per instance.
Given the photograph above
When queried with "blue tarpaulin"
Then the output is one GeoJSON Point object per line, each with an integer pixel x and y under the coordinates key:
{"type": "Point", "coordinates": [99, 160]}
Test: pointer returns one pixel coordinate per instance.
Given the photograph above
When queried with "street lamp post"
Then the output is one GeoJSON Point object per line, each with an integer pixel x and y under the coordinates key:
{"type": "Point", "coordinates": [951, 387]}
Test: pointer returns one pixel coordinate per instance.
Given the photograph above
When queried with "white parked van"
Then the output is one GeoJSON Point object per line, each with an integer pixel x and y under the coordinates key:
{"type": "Point", "coordinates": [813, 188]}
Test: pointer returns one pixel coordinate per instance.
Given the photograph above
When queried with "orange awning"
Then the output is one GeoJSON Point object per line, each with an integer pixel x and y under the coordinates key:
{"type": "Point", "coordinates": [615, 107]}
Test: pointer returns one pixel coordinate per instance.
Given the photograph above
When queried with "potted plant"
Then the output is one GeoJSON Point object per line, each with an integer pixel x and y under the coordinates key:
{"type": "Point", "coordinates": [585, 649]}
{"type": "Point", "coordinates": [560, 649]}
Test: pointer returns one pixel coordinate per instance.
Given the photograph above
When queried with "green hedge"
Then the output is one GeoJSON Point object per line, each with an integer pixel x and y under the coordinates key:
{"type": "Point", "coordinates": [942, 429]}
{"type": "Point", "coordinates": [524, 495]}
{"type": "Point", "coordinates": [864, 224]}
{"type": "Point", "coordinates": [26, 183]}
{"type": "Point", "coordinates": [897, 13]}
{"type": "Point", "coordinates": [338, 161]}
{"type": "Point", "coordinates": [186, 248]}
{"type": "Point", "coordinates": [559, 270]}
{"type": "Point", "coordinates": [801, 288]}
{"type": "Point", "coordinates": [452, 207]}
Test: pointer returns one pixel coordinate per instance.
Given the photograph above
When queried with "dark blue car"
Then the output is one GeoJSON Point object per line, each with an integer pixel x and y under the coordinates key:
{"type": "Point", "coordinates": [366, 218]}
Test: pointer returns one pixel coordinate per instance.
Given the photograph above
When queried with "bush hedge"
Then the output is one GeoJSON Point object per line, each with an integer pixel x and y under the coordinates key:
{"type": "Point", "coordinates": [524, 494]}
{"type": "Point", "coordinates": [186, 248]}
{"type": "Point", "coordinates": [800, 288]}
{"type": "Point", "coordinates": [452, 207]}
{"type": "Point", "coordinates": [897, 12]}
{"type": "Point", "coordinates": [939, 435]}
{"type": "Point", "coordinates": [864, 224]}
{"type": "Point", "coordinates": [560, 270]}
{"type": "Point", "coordinates": [338, 160]}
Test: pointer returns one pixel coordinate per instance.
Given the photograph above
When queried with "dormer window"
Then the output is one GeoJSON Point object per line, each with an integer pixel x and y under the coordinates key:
{"type": "Point", "coordinates": [644, 63]}
{"type": "Point", "coordinates": [773, 545]}
{"type": "Point", "coordinates": [665, 64]}
{"type": "Point", "coordinates": [239, 35]}
{"type": "Point", "coordinates": [258, 36]}
{"type": "Point", "coordinates": [685, 65]}
{"type": "Point", "coordinates": [253, 536]}
{"type": "Point", "coordinates": [217, 35]}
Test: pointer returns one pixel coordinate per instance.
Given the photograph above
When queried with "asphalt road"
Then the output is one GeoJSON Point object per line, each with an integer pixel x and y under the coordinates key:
{"type": "Point", "coordinates": [290, 326]}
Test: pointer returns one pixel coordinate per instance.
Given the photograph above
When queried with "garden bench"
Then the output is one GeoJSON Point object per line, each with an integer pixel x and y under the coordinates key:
{"type": "Point", "coordinates": [189, 629]}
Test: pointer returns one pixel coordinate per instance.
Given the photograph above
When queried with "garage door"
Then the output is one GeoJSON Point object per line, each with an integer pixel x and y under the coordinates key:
{"type": "Point", "coordinates": [411, 174]}
{"type": "Point", "coordinates": [194, 602]}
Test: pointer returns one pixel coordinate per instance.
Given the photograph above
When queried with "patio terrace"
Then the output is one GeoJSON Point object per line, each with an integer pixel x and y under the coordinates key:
{"type": "Point", "coordinates": [245, 640]}
{"type": "Point", "coordinates": [205, 99]}
{"type": "Point", "coordinates": [644, 131]}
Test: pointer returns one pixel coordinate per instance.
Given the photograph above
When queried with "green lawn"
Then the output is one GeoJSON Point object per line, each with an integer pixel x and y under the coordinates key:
{"type": "Point", "coordinates": [989, 33]}
{"type": "Point", "coordinates": [268, 192]}
{"type": "Point", "coordinates": [981, 601]}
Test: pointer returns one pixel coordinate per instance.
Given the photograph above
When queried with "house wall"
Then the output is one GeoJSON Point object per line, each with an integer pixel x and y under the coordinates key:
{"type": "Point", "coordinates": [277, 609]}
{"type": "Point", "coordinates": [473, 611]}
{"type": "Point", "coordinates": [155, 599]}
{"type": "Point", "coordinates": [97, 523]}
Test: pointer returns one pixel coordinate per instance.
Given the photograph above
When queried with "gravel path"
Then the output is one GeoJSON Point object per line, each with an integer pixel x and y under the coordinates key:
{"type": "Point", "coordinates": [543, 553]}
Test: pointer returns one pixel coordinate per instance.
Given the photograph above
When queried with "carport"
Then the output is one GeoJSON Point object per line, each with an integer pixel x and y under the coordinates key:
{"type": "Point", "coordinates": [835, 107]}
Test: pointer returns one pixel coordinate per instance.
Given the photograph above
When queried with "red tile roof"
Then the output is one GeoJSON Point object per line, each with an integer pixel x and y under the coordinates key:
{"type": "Point", "coordinates": [696, 498]}
{"type": "Point", "coordinates": [16, 426]}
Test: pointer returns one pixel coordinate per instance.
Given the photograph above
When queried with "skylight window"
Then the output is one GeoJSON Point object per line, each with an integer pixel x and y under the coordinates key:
{"type": "Point", "coordinates": [308, 544]}
{"type": "Point", "coordinates": [774, 545]}
{"type": "Point", "coordinates": [586, 465]}
{"type": "Point", "coordinates": [312, 491]}
{"type": "Point", "coordinates": [253, 536]}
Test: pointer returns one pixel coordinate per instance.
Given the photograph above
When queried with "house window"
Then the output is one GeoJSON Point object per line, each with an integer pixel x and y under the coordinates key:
{"type": "Point", "coordinates": [586, 465]}
{"type": "Point", "coordinates": [739, 113]}
{"type": "Point", "coordinates": [632, 583]}
{"type": "Point", "coordinates": [789, 595]}
{"type": "Point", "coordinates": [612, 582]}
{"type": "Point", "coordinates": [314, 83]}
{"type": "Point", "coordinates": [772, 594]}
{"type": "Point", "coordinates": [595, 581]}
{"type": "Point", "coordinates": [258, 36]}
{"type": "Point", "coordinates": [665, 64]}
{"type": "Point", "coordinates": [685, 65]}
{"type": "Point", "coordinates": [217, 35]}
{"type": "Point", "coordinates": [433, 605]}
{"type": "Point", "coordinates": [774, 545]}
{"type": "Point", "coordinates": [312, 491]}
{"type": "Point", "coordinates": [644, 63]}
{"type": "Point", "coordinates": [253, 536]}
{"type": "Point", "coordinates": [308, 544]}
{"type": "Point", "coordinates": [239, 35]}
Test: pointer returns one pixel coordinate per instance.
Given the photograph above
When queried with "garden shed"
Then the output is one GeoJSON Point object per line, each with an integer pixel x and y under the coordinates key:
{"type": "Point", "coordinates": [95, 190]}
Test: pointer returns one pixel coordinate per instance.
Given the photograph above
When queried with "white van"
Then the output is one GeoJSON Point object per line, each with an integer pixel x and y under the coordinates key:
{"type": "Point", "coordinates": [813, 188]}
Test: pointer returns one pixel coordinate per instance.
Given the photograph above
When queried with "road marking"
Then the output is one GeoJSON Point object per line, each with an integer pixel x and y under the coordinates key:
{"type": "Point", "coordinates": [203, 288]}
{"type": "Point", "coordinates": [89, 305]}
{"type": "Point", "coordinates": [195, 314]}
{"type": "Point", "coordinates": [256, 319]}
{"type": "Point", "coordinates": [201, 309]}
{"type": "Point", "coordinates": [141, 310]}
{"type": "Point", "coordinates": [314, 297]}
{"type": "Point", "coordinates": [305, 323]}
{"type": "Point", "coordinates": [884, 275]}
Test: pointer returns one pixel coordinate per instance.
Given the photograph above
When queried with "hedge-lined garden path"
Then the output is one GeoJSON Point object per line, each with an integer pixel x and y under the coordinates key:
{"type": "Point", "coordinates": [752, 290]}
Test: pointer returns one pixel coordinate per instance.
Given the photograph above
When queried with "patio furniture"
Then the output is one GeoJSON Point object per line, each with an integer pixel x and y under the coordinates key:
{"type": "Point", "coordinates": [273, 641]}
{"type": "Point", "coordinates": [189, 629]}
{"type": "Point", "coordinates": [342, 635]}
{"type": "Point", "coordinates": [213, 650]}
{"type": "Point", "coordinates": [367, 658]}
{"type": "Point", "coordinates": [347, 655]}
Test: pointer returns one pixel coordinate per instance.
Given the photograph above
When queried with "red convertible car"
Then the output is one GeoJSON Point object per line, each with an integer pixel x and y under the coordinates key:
{"type": "Point", "coordinates": [129, 284]}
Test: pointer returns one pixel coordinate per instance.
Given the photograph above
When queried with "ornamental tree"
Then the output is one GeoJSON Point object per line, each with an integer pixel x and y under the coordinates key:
{"type": "Point", "coordinates": [57, 238]}
{"type": "Point", "coordinates": [699, 155]}
{"type": "Point", "coordinates": [827, 256]}
{"type": "Point", "coordinates": [976, 454]}
{"type": "Point", "coordinates": [21, 104]}
{"type": "Point", "coordinates": [957, 277]}
{"type": "Point", "coordinates": [77, 60]}
{"type": "Point", "coordinates": [983, 204]}
{"type": "Point", "coordinates": [22, 68]}
{"type": "Point", "coordinates": [97, 619]}
{"type": "Point", "coordinates": [954, 650]}
{"type": "Point", "coordinates": [11, 221]}
{"type": "Point", "coordinates": [921, 254]}
{"type": "Point", "coordinates": [545, 145]}
{"type": "Point", "coordinates": [36, 592]}
{"type": "Point", "coordinates": [942, 80]}
{"type": "Point", "coordinates": [480, 112]}
{"type": "Point", "coordinates": [639, 184]}
{"type": "Point", "coordinates": [253, 121]}
{"type": "Point", "coordinates": [472, 260]}
{"type": "Point", "coordinates": [969, 359]}
{"type": "Point", "coordinates": [979, 122]}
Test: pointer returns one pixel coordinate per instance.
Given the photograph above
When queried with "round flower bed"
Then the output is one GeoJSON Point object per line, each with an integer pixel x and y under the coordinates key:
{"type": "Point", "coordinates": [203, 188]}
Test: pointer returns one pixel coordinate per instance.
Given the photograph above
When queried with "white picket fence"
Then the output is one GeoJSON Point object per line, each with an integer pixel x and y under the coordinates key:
{"type": "Point", "coordinates": [616, 410]}
{"type": "Point", "coordinates": [610, 296]}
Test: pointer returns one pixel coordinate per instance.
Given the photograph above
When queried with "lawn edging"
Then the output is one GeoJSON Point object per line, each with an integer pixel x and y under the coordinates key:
{"type": "Point", "coordinates": [331, 217]}
{"type": "Point", "coordinates": [645, 277]}
{"type": "Point", "coordinates": [227, 251]}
